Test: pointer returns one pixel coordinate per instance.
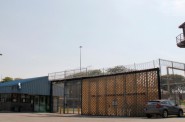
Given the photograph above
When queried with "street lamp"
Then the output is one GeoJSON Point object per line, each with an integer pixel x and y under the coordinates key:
{"type": "Point", "coordinates": [1, 75]}
{"type": "Point", "coordinates": [80, 57]}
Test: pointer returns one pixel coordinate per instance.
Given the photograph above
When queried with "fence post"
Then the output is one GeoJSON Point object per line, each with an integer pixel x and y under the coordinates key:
{"type": "Point", "coordinates": [67, 109]}
{"type": "Point", "coordinates": [78, 110]}
{"type": "Point", "coordinates": [154, 63]}
{"type": "Point", "coordinates": [135, 66]}
{"type": "Point", "coordinates": [86, 72]}
{"type": "Point", "coordinates": [64, 74]}
{"type": "Point", "coordinates": [184, 69]}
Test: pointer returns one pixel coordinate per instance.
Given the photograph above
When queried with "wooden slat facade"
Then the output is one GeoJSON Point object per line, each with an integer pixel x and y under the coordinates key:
{"type": "Point", "coordinates": [120, 94]}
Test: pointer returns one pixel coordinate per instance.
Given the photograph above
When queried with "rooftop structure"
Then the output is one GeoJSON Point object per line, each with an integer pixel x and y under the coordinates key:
{"type": "Point", "coordinates": [180, 39]}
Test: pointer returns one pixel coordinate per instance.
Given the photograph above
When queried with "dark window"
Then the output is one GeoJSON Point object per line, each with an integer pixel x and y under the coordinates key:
{"type": "Point", "coordinates": [5, 98]}
{"type": "Point", "coordinates": [152, 102]}
{"type": "Point", "coordinates": [164, 102]}
{"type": "Point", "coordinates": [25, 98]}
{"type": "Point", "coordinates": [14, 98]}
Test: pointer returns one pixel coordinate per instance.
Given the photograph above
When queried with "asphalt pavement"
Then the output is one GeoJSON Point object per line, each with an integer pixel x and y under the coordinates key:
{"type": "Point", "coordinates": [52, 117]}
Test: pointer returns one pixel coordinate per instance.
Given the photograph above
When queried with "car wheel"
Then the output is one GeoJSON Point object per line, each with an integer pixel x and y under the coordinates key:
{"type": "Point", "coordinates": [180, 113]}
{"type": "Point", "coordinates": [148, 115]}
{"type": "Point", "coordinates": [165, 114]}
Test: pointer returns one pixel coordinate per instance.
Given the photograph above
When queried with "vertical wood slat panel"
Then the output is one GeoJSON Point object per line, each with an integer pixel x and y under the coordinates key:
{"type": "Point", "coordinates": [119, 95]}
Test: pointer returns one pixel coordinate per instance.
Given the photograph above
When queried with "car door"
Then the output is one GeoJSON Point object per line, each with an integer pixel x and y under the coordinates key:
{"type": "Point", "coordinates": [174, 108]}
{"type": "Point", "coordinates": [167, 106]}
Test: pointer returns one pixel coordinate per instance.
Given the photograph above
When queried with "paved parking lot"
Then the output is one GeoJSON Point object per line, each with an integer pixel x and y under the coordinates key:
{"type": "Point", "coordinates": [48, 117]}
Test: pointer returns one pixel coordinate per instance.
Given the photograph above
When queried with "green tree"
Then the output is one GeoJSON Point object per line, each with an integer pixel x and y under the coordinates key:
{"type": "Point", "coordinates": [84, 74]}
{"type": "Point", "coordinates": [94, 72]}
{"type": "Point", "coordinates": [117, 69]}
{"type": "Point", "coordinates": [17, 78]}
{"type": "Point", "coordinates": [172, 78]}
{"type": "Point", "coordinates": [6, 79]}
{"type": "Point", "coordinates": [172, 82]}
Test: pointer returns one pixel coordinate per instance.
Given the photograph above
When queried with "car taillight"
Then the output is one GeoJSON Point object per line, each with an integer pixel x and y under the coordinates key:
{"type": "Point", "coordinates": [158, 105]}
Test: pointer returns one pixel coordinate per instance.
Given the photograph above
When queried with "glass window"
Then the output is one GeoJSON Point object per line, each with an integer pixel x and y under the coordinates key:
{"type": "Point", "coordinates": [152, 102]}
{"type": "Point", "coordinates": [164, 102]}
{"type": "Point", "coordinates": [5, 98]}
{"type": "Point", "coordinates": [25, 98]}
{"type": "Point", "coordinates": [171, 103]}
{"type": "Point", "coordinates": [14, 98]}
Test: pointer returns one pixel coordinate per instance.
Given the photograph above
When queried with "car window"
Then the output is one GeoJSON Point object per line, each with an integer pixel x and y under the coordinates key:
{"type": "Point", "coordinates": [164, 102]}
{"type": "Point", "coordinates": [171, 103]}
{"type": "Point", "coordinates": [152, 102]}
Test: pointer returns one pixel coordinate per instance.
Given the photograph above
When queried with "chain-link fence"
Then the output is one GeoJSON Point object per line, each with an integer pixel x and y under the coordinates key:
{"type": "Point", "coordinates": [173, 81]}
{"type": "Point", "coordinates": [88, 72]}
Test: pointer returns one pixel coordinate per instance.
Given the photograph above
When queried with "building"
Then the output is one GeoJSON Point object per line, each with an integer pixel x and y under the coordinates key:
{"type": "Point", "coordinates": [26, 95]}
{"type": "Point", "coordinates": [180, 39]}
{"type": "Point", "coordinates": [121, 92]}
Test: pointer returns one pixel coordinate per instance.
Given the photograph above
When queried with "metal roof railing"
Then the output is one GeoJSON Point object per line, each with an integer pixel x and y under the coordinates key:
{"type": "Point", "coordinates": [67, 74]}
{"type": "Point", "coordinates": [87, 72]}
{"type": "Point", "coordinates": [180, 39]}
{"type": "Point", "coordinates": [163, 64]}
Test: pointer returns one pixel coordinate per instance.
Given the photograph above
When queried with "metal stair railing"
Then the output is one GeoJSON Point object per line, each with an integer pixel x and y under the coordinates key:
{"type": "Point", "coordinates": [180, 38]}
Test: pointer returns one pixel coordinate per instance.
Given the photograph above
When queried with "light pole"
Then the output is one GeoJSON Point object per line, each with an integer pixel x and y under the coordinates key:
{"type": "Point", "coordinates": [80, 58]}
{"type": "Point", "coordinates": [1, 75]}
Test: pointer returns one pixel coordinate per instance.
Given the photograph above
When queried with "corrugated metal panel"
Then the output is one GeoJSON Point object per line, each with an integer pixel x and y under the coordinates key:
{"type": "Point", "coordinates": [33, 86]}
{"type": "Point", "coordinates": [5, 89]}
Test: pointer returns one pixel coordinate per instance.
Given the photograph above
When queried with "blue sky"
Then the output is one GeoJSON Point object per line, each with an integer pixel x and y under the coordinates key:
{"type": "Point", "coordinates": [42, 36]}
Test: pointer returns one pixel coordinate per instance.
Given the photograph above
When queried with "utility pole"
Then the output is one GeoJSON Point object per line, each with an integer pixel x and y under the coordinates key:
{"type": "Point", "coordinates": [80, 58]}
{"type": "Point", "coordinates": [1, 74]}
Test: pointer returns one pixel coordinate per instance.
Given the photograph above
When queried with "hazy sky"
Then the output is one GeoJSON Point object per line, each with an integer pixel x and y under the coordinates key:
{"type": "Point", "coordinates": [42, 36]}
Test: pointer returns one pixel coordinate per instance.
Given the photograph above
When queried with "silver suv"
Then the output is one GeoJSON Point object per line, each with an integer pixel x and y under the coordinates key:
{"type": "Point", "coordinates": [163, 108]}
